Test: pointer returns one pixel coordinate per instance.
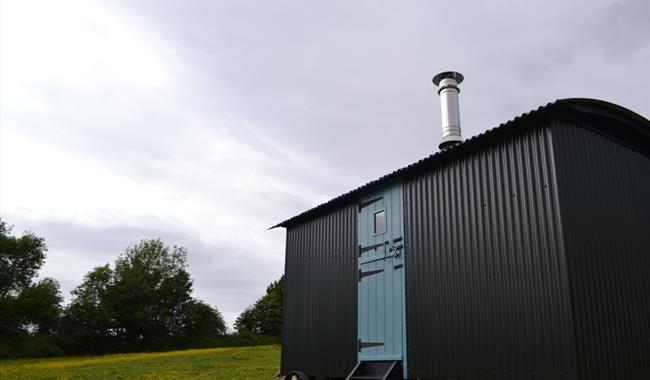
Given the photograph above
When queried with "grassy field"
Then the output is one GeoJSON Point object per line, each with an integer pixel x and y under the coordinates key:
{"type": "Point", "coordinates": [259, 362]}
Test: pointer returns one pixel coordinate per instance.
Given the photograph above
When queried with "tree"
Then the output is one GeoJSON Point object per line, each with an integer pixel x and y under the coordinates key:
{"type": "Point", "coordinates": [87, 320]}
{"type": "Point", "coordinates": [203, 321]}
{"type": "Point", "coordinates": [265, 316]}
{"type": "Point", "coordinates": [247, 321]}
{"type": "Point", "coordinates": [144, 303]}
{"type": "Point", "coordinates": [30, 312]}
{"type": "Point", "coordinates": [150, 293]}
{"type": "Point", "coordinates": [20, 259]}
{"type": "Point", "coordinates": [40, 306]}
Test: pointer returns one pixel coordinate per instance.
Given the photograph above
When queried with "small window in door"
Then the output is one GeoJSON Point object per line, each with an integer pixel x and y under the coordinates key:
{"type": "Point", "coordinates": [380, 222]}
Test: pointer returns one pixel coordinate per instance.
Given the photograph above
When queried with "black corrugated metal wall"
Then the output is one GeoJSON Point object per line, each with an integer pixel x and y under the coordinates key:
{"type": "Point", "coordinates": [605, 199]}
{"type": "Point", "coordinates": [319, 330]}
{"type": "Point", "coordinates": [485, 270]}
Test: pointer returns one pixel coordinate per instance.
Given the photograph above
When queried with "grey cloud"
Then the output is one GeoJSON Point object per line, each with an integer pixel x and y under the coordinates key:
{"type": "Point", "coordinates": [325, 78]}
{"type": "Point", "coordinates": [619, 29]}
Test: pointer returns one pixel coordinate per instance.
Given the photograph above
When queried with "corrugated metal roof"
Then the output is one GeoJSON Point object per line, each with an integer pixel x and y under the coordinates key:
{"type": "Point", "coordinates": [561, 107]}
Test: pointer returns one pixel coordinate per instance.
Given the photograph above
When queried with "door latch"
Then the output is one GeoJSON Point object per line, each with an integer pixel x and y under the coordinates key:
{"type": "Point", "coordinates": [396, 250]}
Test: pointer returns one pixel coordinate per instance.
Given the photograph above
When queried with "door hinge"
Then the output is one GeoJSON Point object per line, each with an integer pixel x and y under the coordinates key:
{"type": "Point", "coordinates": [368, 344]}
{"type": "Point", "coordinates": [370, 247]}
{"type": "Point", "coordinates": [368, 273]}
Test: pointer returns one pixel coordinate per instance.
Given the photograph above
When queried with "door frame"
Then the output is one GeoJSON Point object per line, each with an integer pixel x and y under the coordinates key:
{"type": "Point", "coordinates": [364, 197]}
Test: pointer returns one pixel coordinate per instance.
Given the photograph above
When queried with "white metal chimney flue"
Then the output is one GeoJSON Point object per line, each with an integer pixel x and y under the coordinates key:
{"type": "Point", "coordinates": [448, 90]}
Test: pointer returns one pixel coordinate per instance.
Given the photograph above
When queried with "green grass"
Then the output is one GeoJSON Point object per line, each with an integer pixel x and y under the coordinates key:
{"type": "Point", "coordinates": [259, 362]}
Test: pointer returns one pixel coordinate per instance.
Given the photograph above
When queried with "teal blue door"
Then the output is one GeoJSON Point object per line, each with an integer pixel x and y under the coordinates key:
{"type": "Point", "coordinates": [381, 328]}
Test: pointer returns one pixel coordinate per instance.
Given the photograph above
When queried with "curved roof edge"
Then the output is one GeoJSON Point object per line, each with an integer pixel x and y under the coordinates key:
{"type": "Point", "coordinates": [609, 110]}
{"type": "Point", "coordinates": [583, 108]}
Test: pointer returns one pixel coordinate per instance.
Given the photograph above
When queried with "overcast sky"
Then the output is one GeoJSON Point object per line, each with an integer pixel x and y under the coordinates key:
{"type": "Point", "coordinates": [205, 122]}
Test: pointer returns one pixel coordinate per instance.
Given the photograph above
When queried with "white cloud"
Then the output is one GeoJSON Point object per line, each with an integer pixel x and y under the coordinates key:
{"type": "Point", "coordinates": [80, 45]}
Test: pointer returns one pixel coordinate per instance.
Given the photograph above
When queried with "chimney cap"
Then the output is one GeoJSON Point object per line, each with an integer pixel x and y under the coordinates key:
{"type": "Point", "coordinates": [448, 74]}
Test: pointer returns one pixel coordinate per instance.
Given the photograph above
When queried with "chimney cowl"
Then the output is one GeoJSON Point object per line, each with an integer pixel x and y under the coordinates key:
{"type": "Point", "coordinates": [448, 90]}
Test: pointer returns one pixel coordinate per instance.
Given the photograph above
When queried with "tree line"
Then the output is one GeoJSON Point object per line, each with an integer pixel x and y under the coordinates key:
{"type": "Point", "coordinates": [142, 303]}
